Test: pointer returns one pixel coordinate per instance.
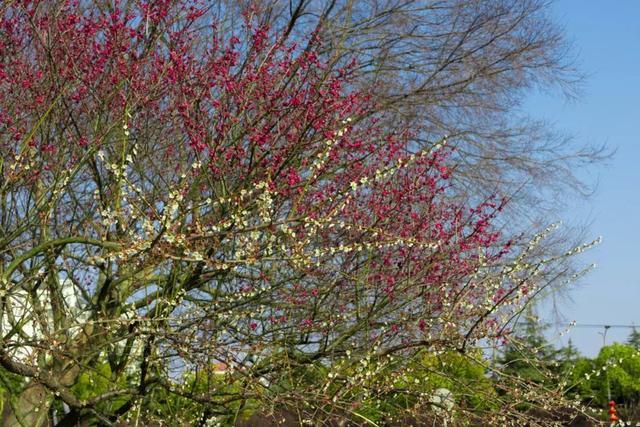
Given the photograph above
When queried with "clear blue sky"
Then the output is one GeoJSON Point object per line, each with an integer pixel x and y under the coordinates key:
{"type": "Point", "coordinates": [606, 38]}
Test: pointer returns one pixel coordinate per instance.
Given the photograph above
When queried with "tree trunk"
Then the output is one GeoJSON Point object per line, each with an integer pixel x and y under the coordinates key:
{"type": "Point", "coordinates": [31, 408]}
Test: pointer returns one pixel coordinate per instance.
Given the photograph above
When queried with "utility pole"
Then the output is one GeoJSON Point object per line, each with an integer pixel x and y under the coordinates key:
{"type": "Point", "coordinates": [604, 343]}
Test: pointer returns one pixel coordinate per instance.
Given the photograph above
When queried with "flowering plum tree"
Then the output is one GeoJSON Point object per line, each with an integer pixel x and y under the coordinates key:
{"type": "Point", "coordinates": [219, 220]}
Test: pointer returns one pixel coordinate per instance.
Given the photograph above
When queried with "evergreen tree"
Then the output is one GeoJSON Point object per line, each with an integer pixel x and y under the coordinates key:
{"type": "Point", "coordinates": [634, 339]}
{"type": "Point", "coordinates": [529, 354]}
{"type": "Point", "coordinates": [566, 358]}
{"type": "Point", "coordinates": [568, 354]}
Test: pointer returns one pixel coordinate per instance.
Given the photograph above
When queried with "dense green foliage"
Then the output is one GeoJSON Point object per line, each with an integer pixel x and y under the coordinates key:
{"type": "Point", "coordinates": [616, 369]}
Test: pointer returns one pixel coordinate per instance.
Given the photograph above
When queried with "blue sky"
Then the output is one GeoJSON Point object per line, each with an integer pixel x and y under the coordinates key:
{"type": "Point", "coordinates": [606, 39]}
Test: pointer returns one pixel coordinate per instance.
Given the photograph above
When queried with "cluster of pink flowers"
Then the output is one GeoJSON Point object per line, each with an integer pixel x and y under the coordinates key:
{"type": "Point", "coordinates": [393, 243]}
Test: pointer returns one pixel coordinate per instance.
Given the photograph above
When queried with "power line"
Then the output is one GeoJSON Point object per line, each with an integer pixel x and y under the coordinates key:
{"type": "Point", "coordinates": [585, 325]}
{"type": "Point", "coordinates": [593, 325]}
